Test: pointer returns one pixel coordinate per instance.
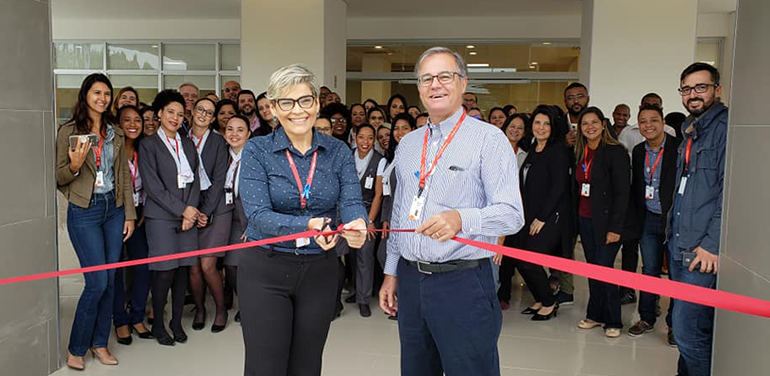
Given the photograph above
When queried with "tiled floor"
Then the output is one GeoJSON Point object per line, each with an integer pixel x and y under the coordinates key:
{"type": "Point", "coordinates": [370, 347]}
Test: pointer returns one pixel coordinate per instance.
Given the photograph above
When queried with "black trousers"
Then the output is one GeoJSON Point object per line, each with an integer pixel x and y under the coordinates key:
{"type": "Point", "coordinates": [547, 242]}
{"type": "Point", "coordinates": [629, 258]}
{"type": "Point", "coordinates": [287, 303]}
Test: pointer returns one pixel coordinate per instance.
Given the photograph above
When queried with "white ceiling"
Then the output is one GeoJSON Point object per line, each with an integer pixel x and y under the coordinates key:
{"type": "Point", "coordinates": [230, 9]}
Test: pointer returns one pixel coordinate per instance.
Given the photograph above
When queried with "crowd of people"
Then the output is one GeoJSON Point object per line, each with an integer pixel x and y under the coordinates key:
{"type": "Point", "coordinates": [184, 172]}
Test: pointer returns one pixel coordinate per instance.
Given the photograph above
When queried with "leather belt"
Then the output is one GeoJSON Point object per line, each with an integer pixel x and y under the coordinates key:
{"type": "Point", "coordinates": [425, 267]}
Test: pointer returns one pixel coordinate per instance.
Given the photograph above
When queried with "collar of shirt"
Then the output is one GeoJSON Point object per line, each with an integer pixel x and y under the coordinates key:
{"type": "Point", "coordinates": [446, 126]}
{"type": "Point", "coordinates": [255, 124]}
{"type": "Point", "coordinates": [662, 145]}
{"type": "Point", "coordinates": [281, 142]}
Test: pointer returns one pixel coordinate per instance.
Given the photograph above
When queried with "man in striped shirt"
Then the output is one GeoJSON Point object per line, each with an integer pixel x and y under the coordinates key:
{"type": "Point", "coordinates": [457, 176]}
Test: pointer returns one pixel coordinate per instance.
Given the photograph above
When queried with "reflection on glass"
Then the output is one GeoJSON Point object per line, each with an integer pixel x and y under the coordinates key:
{"type": "Point", "coordinates": [205, 84]}
{"type": "Point", "coordinates": [67, 88]}
{"type": "Point", "coordinates": [133, 56]}
{"type": "Point", "coordinates": [180, 57]}
{"type": "Point", "coordinates": [231, 57]}
{"type": "Point", "coordinates": [146, 86]}
{"type": "Point", "coordinates": [78, 55]}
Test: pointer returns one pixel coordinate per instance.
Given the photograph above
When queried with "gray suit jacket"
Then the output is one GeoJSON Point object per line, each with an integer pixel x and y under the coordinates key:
{"type": "Point", "coordinates": [215, 157]}
{"type": "Point", "coordinates": [159, 179]}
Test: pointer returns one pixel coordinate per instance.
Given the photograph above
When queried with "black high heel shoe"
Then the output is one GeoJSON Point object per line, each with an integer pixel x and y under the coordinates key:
{"type": "Point", "coordinates": [179, 335]}
{"type": "Point", "coordinates": [539, 317]}
{"type": "Point", "coordinates": [162, 336]}
{"type": "Point", "coordinates": [218, 328]}
{"type": "Point", "coordinates": [199, 325]}
{"type": "Point", "coordinates": [530, 311]}
{"type": "Point", "coordinates": [124, 340]}
{"type": "Point", "coordinates": [143, 335]}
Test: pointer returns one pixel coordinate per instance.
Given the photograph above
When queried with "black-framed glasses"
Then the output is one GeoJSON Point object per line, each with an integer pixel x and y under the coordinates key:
{"type": "Point", "coordinates": [338, 120]}
{"type": "Point", "coordinates": [204, 111]}
{"type": "Point", "coordinates": [445, 78]}
{"type": "Point", "coordinates": [287, 104]}
{"type": "Point", "coordinates": [698, 88]}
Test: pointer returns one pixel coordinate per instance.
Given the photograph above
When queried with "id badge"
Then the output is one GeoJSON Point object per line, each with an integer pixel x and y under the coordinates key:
{"type": "Point", "coordinates": [180, 182]}
{"type": "Point", "coordinates": [585, 190]}
{"type": "Point", "coordinates": [303, 242]}
{"type": "Point", "coordinates": [682, 185]}
{"type": "Point", "coordinates": [386, 189]}
{"type": "Point", "coordinates": [99, 182]}
{"type": "Point", "coordinates": [416, 210]}
{"type": "Point", "coordinates": [136, 199]}
{"type": "Point", "coordinates": [649, 192]}
{"type": "Point", "coordinates": [368, 182]}
{"type": "Point", "coordinates": [228, 198]}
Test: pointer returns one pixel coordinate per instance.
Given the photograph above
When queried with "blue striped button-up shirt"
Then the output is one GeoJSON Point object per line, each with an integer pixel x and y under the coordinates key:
{"type": "Point", "coordinates": [477, 175]}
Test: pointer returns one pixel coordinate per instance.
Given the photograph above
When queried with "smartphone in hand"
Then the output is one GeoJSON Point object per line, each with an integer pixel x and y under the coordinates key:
{"type": "Point", "coordinates": [82, 138]}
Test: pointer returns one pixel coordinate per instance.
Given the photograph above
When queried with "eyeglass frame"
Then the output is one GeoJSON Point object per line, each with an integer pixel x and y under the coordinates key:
{"type": "Point", "coordinates": [421, 82]}
{"type": "Point", "coordinates": [686, 90]}
{"type": "Point", "coordinates": [205, 111]}
{"type": "Point", "coordinates": [338, 120]}
{"type": "Point", "coordinates": [295, 102]}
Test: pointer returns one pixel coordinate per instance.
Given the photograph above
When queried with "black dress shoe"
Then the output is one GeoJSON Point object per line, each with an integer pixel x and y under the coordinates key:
{"type": "Point", "coordinates": [162, 336]}
{"type": "Point", "coordinates": [124, 340]}
{"type": "Point", "coordinates": [180, 336]}
{"type": "Point", "coordinates": [238, 317]}
{"type": "Point", "coordinates": [629, 297]}
{"type": "Point", "coordinates": [539, 317]}
{"type": "Point", "coordinates": [351, 298]}
{"type": "Point", "coordinates": [199, 325]}
{"type": "Point", "coordinates": [144, 335]}
{"type": "Point", "coordinates": [529, 311]}
{"type": "Point", "coordinates": [365, 310]}
{"type": "Point", "coordinates": [394, 318]}
{"type": "Point", "coordinates": [218, 328]}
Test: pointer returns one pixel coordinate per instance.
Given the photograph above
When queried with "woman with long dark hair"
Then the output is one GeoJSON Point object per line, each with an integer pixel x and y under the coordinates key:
{"type": "Point", "coordinates": [128, 314]}
{"type": "Point", "coordinates": [215, 214]}
{"type": "Point", "coordinates": [339, 116]}
{"type": "Point", "coordinates": [267, 120]}
{"type": "Point", "coordinates": [170, 169]}
{"type": "Point", "coordinates": [357, 117]}
{"type": "Point", "coordinates": [149, 122]}
{"type": "Point", "coordinates": [396, 105]}
{"type": "Point", "coordinates": [369, 104]}
{"type": "Point", "coordinates": [602, 174]}
{"type": "Point", "coordinates": [127, 96]}
{"type": "Point", "coordinates": [224, 111]}
{"type": "Point", "coordinates": [95, 180]}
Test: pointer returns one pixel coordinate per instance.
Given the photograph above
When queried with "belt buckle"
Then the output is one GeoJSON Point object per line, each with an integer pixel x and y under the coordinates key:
{"type": "Point", "coordinates": [419, 267]}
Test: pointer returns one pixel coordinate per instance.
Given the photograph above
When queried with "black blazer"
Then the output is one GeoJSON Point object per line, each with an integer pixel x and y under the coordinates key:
{"type": "Point", "coordinates": [215, 157]}
{"type": "Point", "coordinates": [159, 179]}
{"type": "Point", "coordinates": [667, 177]}
{"type": "Point", "coordinates": [545, 191]}
{"type": "Point", "coordinates": [610, 189]}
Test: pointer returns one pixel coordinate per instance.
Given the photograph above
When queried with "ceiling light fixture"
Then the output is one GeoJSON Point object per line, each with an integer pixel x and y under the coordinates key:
{"type": "Point", "coordinates": [547, 43]}
{"type": "Point", "coordinates": [378, 47]}
{"type": "Point", "coordinates": [473, 53]}
{"type": "Point", "coordinates": [470, 46]}
{"type": "Point", "coordinates": [533, 63]}
{"type": "Point", "coordinates": [478, 65]}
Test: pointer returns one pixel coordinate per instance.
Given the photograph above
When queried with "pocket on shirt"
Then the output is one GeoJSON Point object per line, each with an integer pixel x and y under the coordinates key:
{"type": "Point", "coordinates": [707, 165]}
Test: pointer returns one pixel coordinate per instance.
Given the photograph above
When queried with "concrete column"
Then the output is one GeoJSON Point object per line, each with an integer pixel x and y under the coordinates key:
{"type": "Point", "coordinates": [29, 324]}
{"type": "Point", "coordinates": [309, 32]}
{"type": "Point", "coordinates": [630, 48]}
{"type": "Point", "coordinates": [744, 265]}
{"type": "Point", "coordinates": [377, 90]}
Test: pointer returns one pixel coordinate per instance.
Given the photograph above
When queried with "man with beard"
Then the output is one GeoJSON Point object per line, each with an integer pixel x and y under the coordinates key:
{"type": "Point", "coordinates": [247, 106]}
{"type": "Point", "coordinates": [695, 218]}
{"type": "Point", "coordinates": [230, 90]}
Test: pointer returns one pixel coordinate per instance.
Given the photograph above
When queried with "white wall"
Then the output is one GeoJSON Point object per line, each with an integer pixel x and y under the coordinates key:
{"type": "Point", "coordinates": [145, 29]}
{"type": "Point", "coordinates": [335, 46]}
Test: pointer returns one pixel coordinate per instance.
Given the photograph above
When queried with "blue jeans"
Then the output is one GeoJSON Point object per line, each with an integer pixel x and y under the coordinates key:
{"type": "Point", "coordinates": [448, 322]}
{"type": "Point", "coordinates": [604, 298]}
{"type": "Point", "coordinates": [97, 236]}
{"type": "Point", "coordinates": [136, 247]}
{"type": "Point", "coordinates": [653, 250]}
{"type": "Point", "coordinates": [693, 323]}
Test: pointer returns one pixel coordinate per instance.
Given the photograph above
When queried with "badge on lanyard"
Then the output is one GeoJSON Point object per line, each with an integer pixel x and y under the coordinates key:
{"type": "Point", "coordinates": [682, 185]}
{"type": "Point", "coordinates": [649, 192]}
{"type": "Point", "coordinates": [386, 189]}
{"type": "Point", "coordinates": [180, 181]}
{"type": "Point", "coordinates": [416, 210]}
{"type": "Point", "coordinates": [136, 199]}
{"type": "Point", "coordinates": [99, 182]}
{"type": "Point", "coordinates": [368, 182]}
{"type": "Point", "coordinates": [585, 190]}
{"type": "Point", "coordinates": [303, 242]}
{"type": "Point", "coordinates": [228, 198]}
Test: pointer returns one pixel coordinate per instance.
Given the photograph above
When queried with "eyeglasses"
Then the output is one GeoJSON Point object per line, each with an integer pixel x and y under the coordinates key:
{"type": "Point", "coordinates": [577, 96]}
{"type": "Point", "coordinates": [339, 121]}
{"type": "Point", "coordinates": [444, 78]}
{"type": "Point", "coordinates": [287, 104]}
{"type": "Point", "coordinates": [699, 88]}
{"type": "Point", "coordinates": [204, 111]}
{"type": "Point", "coordinates": [324, 129]}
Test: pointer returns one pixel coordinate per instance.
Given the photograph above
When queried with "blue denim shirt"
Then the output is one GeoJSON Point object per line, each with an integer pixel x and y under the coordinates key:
{"type": "Point", "coordinates": [107, 165]}
{"type": "Point", "coordinates": [696, 216]}
{"type": "Point", "coordinates": [654, 204]}
{"type": "Point", "coordinates": [269, 191]}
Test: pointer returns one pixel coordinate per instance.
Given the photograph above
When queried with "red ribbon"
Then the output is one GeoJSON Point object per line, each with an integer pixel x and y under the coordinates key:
{"type": "Point", "coordinates": [677, 290]}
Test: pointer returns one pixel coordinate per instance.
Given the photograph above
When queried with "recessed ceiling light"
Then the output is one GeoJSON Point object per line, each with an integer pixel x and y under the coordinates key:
{"type": "Point", "coordinates": [547, 43]}
{"type": "Point", "coordinates": [478, 65]}
{"type": "Point", "coordinates": [378, 47]}
{"type": "Point", "coordinates": [533, 63]}
{"type": "Point", "coordinates": [473, 53]}
{"type": "Point", "coordinates": [470, 46]}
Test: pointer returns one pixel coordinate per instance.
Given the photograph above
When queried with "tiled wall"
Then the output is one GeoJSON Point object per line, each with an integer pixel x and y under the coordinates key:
{"type": "Point", "coordinates": [741, 341]}
{"type": "Point", "coordinates": [29, 312]}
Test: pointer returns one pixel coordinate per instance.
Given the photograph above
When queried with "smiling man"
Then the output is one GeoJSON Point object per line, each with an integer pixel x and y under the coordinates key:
{"type": "Point", "coordinates": [448, 315]}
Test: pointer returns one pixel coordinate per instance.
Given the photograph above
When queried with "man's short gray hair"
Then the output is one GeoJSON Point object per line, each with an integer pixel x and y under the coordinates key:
{"type": "Point", "coordinates": [462, 68]}
{"type": "Point", "coordinates": [289, 76]}
{"type": "Point", "coordinates": [190, 84]}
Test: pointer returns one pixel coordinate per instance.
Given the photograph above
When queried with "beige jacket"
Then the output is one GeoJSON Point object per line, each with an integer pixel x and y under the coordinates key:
{"type": "Point", "coordinates": [78, 189]}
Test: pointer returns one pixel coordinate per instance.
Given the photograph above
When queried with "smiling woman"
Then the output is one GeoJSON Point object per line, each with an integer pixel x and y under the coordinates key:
{"type": "Point", "coordinates": [292, 180]}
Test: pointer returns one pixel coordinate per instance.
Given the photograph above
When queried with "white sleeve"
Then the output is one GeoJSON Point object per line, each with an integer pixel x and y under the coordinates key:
{"type": "Point", "coordinates": [381, 167]}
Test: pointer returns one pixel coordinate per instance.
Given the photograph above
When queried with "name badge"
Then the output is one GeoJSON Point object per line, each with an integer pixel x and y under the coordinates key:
{"type": "Point", "coordinates": [180, 182]}
{"type": "Point", "coordinates": [585, 190]}
{"type": "Point", "coordinates": [136, 199]}
{"type": "Point", "coordinates": [416, 210]}
{"type": "Point", "coordinates": [228, 198]}
{"type": "Point", "coordinates": [649, 192]}
{"type": "Point", "coordinates": [682, 185]}
{"type": "Point", "coordinates": [385, 189]}
{"type": "Point", "coordinates": [368, 182]}
{"type": "Point", "coordinates": [99, 182]}
{"type": "Point", "coordinates": [303, 242]}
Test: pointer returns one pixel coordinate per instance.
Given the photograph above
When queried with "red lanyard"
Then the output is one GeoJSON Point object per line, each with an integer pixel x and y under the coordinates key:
{"type": "Point", "coordinates": [198, 144]}
{"type": "Point", "coordinates": [687, 154]}
{"type": "Point", "coordinates": [304, 192]}
{"type": "Point", "coordinates": [176, 149]}
{"type": "Point", "coordinates": [587, 167]}
{"type": "Point", "coordinates": [98, 153]}
{"type": "Point", "coordinates": [238, 165]}
{"type": "Point", "coordinates": [134, 172]}
{"type": "Point", "coordinates": [423, 175]}
{"type": "Point", "coordinates": [655, 166]}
